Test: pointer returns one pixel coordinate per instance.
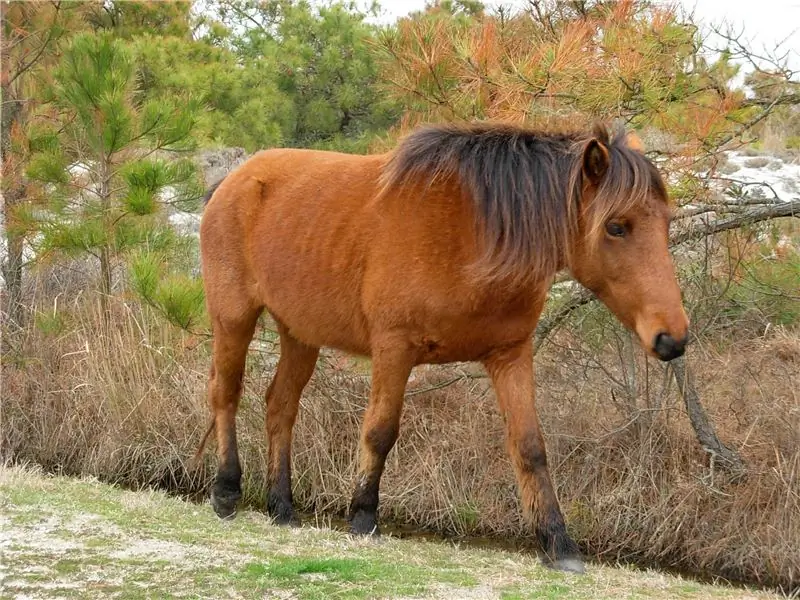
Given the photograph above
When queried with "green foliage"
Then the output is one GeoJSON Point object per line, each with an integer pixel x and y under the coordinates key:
{"type": "Point", "coordinates": [43, 139]}
{"type": "Point", "coordinates": [176, 295]}
{"type": "Point", "coordinates": [126, 19]}
{"type": "Point", "coordinates": [168, 123]}
{"type": "Point", "coordinates": [140, 202]}
{"type": "Point", "coordinates": [116, 201]}
{"type": "Point", "coordinates": [84, 234]}
{"type": "Point", "coordinates": [93, 82]}
{"type": "Point", "coordinates": [48, 166]}
{"type": "Point", "coordinates": [768, 290]}
{"type": "Point", "coordinates": [686, 187]}
{"type": "Point", "coordinates": [242, 103]}
{"type": "Point", "coordinates": [144, 179]}
{"type": "Point", "coordinates": [466, 515]}
{"type": "Point", "coordinates": [51, 323]}
{"type": "Point", "coordinates": [145, 271]}
{"type": "Point", "coordinates": [318, 61]}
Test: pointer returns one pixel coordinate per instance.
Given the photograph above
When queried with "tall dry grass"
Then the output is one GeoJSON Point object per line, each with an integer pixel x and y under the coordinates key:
{"type": "Point", "coordinates": [127, 404]}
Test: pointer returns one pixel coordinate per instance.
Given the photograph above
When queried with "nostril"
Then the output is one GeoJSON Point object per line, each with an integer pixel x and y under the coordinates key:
{"type": "Point", "coordinates": [662, 342]}
{"type": "Point", "coordinates": [666, 347]}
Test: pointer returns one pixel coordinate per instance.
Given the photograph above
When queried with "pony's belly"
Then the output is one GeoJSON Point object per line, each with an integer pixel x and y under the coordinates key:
{"type": "Point", "coordinates": [322, 317]}
{"type": "Point", "coordinates": [325, 335]}
{"type": "Point", "coordinates": [448, 339]}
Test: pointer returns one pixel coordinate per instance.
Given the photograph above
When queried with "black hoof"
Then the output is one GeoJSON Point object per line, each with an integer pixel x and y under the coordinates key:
{"type": "Point", "coordinates": [364, 523]}
{"type": "Point", "coordinates": [282, 512]}
{"type": "Point", "coordinates": [224, 504]}
{"type": "Point", "coordinates": [568, 565]}
{"type": "Point", "coordinates": [286, 520]}
{"type": "Point", "coordinates": [561, 552]}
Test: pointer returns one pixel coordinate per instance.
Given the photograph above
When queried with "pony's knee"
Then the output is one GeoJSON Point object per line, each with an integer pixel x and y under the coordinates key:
{"type": "Point", "coordinates": [532, 452]}
{"type": "Point", "coordinates": [381, 437]}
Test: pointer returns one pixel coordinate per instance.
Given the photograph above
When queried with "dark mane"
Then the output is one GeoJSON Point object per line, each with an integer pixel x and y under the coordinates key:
{"type": "Point", "coordinates": [526, 186]}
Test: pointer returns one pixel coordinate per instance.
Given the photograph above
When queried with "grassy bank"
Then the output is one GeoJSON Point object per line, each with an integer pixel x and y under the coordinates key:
{"type": "Point", "coordinates": [79, 538]}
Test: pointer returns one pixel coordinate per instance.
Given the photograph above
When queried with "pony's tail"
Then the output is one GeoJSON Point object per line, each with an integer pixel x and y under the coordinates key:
{"type": "Point", "coordinates": [211, 190]}
{"type": "Point", "coordinates": [202, 446]}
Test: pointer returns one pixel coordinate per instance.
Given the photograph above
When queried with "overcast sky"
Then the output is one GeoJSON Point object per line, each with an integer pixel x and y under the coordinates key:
{"type": "Point", "coordinates": [765, 22]}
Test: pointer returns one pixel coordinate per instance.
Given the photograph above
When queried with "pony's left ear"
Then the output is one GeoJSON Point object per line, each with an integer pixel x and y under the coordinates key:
{"type": "Point", "coordinates": [595, 161]}
{"type": "Point", "coordinates": [634, 142]}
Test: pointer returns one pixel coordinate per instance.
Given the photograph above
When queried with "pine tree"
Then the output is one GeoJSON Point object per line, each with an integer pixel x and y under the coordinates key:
{"type": "Point", "coordinates": [31, 35]}
{"type": "Point", "coordinates": [108, 173]}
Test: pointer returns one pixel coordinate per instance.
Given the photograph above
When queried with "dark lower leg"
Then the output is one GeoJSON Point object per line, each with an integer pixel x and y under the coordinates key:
{"type": "Point", "coordinates": [295, 368]}
{"type": "Point", "coordinates": [390, 370]}
{"type": "Point", "coordinates": [512, 375]}
{"type": "Point", "coordinates": [279, 496]}
{"type": "Point", "coordinates": [227, 488]}
{"type": "Point", "coordinates": [375, 447]}
{"type": "Point", "coordinates": [538, 497]}
{"type": "Point", "coordinates": [225, 388]}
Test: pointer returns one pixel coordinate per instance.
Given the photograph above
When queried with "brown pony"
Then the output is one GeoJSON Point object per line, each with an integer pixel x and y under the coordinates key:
{"type": "Point", "coordinates": [442, 250]}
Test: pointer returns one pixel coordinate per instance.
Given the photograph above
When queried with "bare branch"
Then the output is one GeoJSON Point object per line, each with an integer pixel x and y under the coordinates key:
{"type": "Point", "coordinates": [728, 458]}
{"type": "Point", "coordinates": [746, 217]}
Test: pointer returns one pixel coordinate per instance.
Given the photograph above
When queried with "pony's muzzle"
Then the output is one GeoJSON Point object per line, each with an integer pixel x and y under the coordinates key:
{"type": "Point", "coordinates": [666, 347]}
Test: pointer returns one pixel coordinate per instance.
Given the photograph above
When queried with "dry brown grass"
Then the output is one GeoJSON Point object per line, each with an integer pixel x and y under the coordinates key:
{"type": "Point", "coordinates": [128, 405]}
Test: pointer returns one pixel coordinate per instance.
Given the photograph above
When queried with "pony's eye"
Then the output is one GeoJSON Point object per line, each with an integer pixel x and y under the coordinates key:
{"type": "Point", "coordinates": [615, 229]}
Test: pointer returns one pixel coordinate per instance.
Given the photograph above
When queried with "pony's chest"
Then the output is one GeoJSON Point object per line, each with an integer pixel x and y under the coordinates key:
{"type": "Point", "coordinates": [455, 333]}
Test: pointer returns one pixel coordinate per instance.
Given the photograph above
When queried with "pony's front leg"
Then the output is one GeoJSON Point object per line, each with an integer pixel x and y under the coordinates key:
{"type": "Point", "coordinates": [391, 366]}
{"type": "Point", "coordinates": [511, 371]}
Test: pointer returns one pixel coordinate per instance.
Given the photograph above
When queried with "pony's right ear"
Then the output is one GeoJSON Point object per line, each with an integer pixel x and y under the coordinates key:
{"type": "Point", "coordinates": [595, 161]}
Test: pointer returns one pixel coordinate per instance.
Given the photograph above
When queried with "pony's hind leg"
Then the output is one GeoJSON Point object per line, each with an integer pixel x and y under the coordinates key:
{"type": "Point", "coordinates": [295, 368]}
{"type": "Point", "coordinates": [391, 366]}
{"type": "Point", "coordinates": [231, 340]}
{"type": "Point", "coordinates": [511, 371]}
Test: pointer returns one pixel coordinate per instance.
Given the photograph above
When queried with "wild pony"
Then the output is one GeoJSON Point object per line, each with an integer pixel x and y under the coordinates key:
{"type": "Point", "coordinates": [442, 250]}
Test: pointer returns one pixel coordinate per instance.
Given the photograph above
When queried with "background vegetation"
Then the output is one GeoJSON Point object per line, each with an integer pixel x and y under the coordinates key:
{"type": "Point", "coordinates": [115, 115]}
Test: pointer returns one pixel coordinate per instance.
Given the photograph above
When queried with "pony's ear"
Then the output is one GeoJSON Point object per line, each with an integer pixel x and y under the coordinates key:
{"type": "Point", "coordinates": [634, 142]}
{"type": "Point", "coordinates": [595, 161]}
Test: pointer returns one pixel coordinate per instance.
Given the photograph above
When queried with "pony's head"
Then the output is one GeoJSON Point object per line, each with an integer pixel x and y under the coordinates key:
{"type": "Point", "coordinates": [620, 246]}
{"type": "Point", "coordinates": [545, 201]}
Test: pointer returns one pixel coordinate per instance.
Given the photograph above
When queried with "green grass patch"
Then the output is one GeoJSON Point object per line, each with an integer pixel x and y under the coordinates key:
{"type": "Point", "coordinates": [352, 578]}
{"type": "Point", "coordinates": [79, 538]}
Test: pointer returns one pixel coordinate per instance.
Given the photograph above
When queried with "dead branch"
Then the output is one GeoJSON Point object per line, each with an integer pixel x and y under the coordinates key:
{"type": "Point", "coordinates": [726, 457]}
{"type": "Point", "coordinates": [746, 217]}
{"type": "Point", "coordinates": [549, 323]}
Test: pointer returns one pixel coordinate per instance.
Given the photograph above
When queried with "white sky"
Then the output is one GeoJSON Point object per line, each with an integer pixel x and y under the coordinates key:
{"type": "Point", "coordinates": [765, 22]}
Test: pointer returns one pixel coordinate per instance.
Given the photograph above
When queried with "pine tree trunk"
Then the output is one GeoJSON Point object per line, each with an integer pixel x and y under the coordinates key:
{"type": "Point", "coordinates": [105, 251]}
{"type": "Point", "coordinates": [12, 275]}
{"type": "Point", "coordinates": [12, 265]}
{"type": "Point", "coordinates": [105, 281]}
